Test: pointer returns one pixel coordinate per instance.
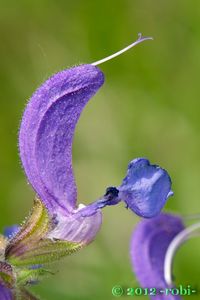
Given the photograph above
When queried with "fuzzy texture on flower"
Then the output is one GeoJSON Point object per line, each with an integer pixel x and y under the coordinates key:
{"type": "Point", "coordinates": [149, 244]}
{"type": "Point", "coordinates": [57, 226]}
{"type": "Point", "coordinates": [45, 142]}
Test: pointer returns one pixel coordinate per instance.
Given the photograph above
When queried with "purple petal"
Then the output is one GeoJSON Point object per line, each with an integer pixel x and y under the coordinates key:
{"type": "Point", "coordinates": [5, 293]}
{"type": "Point", "coordinates": [77, 228]}
{"type": "Point", "coordinates": [47, 131]}
{"type": "Point", "coordinates": [11, 231]}
{"type": "Point", "coordinates": [149, 244]}
{"type": "Point", "coordinates": [146, 188]}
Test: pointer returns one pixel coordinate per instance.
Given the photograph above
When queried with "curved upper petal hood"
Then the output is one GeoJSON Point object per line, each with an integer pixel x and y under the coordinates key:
{"type": "Point", "coordinates": [46, 133]}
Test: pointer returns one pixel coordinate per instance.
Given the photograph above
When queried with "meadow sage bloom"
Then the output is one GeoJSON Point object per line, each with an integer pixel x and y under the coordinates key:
{"type": "Point", "coordinates": [57, 226]}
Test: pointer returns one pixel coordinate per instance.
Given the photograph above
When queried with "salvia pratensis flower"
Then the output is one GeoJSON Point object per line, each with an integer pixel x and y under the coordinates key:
{"type": "Point", "coordinates": [57, 226]}
{"type": "Point", "coordinates": [151, 241]}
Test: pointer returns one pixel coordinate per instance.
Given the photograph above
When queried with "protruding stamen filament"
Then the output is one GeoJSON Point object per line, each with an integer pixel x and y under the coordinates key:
{"type": "Point", "coordinates": [173, 247]}
{"type": "Point", "coordinates": [138, 41]}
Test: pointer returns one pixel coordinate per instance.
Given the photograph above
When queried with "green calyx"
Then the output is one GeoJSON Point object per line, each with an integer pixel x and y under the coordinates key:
{"type": "Point", "coordinates": [30, 246]}
{"type": "Point", "coordinates": [23, 258]}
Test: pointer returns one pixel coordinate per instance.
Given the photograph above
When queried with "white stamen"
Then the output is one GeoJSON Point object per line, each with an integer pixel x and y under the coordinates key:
{"type": "Point", "coordinates": [139, 40]}
{"type": "Point", "coordinates": [173, 247]}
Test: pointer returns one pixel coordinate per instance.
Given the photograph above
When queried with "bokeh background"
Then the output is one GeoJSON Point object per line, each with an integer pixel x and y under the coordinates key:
{"type": "Point", "coordinates": [149, 106]}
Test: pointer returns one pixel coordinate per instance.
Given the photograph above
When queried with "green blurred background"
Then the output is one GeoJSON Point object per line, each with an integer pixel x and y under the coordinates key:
{"type": "Point", "coordinates": [149, 106]}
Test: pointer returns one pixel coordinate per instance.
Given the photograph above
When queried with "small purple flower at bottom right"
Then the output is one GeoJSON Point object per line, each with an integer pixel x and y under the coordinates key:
{"type": "Point", "coordinates": [153, 246]}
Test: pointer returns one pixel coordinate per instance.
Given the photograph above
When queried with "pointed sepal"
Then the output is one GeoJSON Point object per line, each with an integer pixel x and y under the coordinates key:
{"type": "Point", "coordinates": [44, 252]}
{"type": "Point", "coordinates": [36, 227]}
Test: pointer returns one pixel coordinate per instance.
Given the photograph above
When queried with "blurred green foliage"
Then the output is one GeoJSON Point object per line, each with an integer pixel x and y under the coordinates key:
{"type": "Point", "coordinates": [149, 106]}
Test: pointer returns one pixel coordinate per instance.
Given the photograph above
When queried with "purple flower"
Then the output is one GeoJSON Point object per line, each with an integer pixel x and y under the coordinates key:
{"type": "Point", "coordinates": [56, 226]}
{"type": "Point", "coordinates": [149, 245]}
{"type": "Point", "coordinates": [45, 141]}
